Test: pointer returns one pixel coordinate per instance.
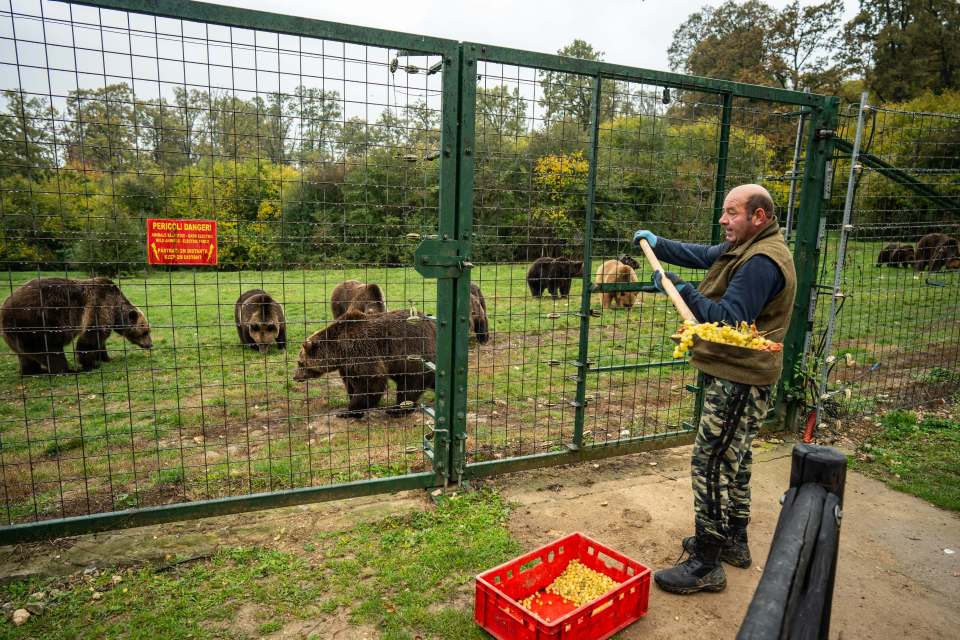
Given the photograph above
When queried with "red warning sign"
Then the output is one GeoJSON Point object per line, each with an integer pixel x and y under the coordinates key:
{"type": "Point", "coordinates": [181, 241]}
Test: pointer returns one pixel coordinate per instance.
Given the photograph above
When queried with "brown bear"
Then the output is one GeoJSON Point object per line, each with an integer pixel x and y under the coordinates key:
{"type": "Point", "coordinates": [260, 321]}
{"type": "Point", "coordinates": [562, 271]}
{"type": "Point", "coordinates": [43, 316]}
{"type": "Point", "coordinates": [934, 251]}
{"type": "Point", "coordinates": [353, 294]}
{"type": "Point", "coordinates": [886, 254]}
{"type": "Point", "coordinates": [478, 314]}
{"type": "Point", "coordinates": [946, 255]}
{"type": "Point", "coordinates": [539, 276]}
{"type": "Point", "coordinates": [553, 275]}
{"type": "Point", "coordinates": [902, 256]}
{"type": "Point", "coordinates": [614, 271]}
{"type": "Point", "coordinates": [367, 349]}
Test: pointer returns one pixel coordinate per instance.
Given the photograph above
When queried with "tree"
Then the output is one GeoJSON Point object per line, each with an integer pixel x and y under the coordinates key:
{"type": "Point", "coordinates": [274, 122]}
{"type": "Point", "coordinates": [26, 136]}
{"type": "Point", "coordinates": [905, 47]}
{"type": "Point", "coordinates": [232, 127]}
{"type": "Point", "coordinates": [803, 42]}
{"type": "Point", "coordinates": [569, 97]}
{"type": "Point", "coordinates": [319, 113]}
{"type": "Point", "coordinates": [794, 48]}
{"type": "Point", "coordinates": [101, 128]}
{"type": "Point", "coordinates": [500, 111]}
{"type": "Point", "coordinates": [729, 42]}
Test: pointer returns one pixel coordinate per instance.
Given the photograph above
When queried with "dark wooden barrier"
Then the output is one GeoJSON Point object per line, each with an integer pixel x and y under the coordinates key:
{"type": "Point", "coordinates": [794, 597]}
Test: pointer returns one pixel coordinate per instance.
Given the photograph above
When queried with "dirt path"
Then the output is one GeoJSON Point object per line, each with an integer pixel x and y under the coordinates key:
{"type": "Point", "coordinates": [894, 579]}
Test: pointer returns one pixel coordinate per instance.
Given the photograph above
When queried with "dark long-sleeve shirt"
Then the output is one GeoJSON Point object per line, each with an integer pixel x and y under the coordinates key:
{"type": "Point", "coordinates": [757, 282]}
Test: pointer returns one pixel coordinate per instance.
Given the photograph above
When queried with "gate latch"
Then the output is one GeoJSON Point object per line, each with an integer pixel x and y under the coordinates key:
{"type": "Point", "coordinates": [437, 258]}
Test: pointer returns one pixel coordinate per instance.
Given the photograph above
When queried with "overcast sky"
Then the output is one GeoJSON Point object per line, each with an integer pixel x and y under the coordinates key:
{"type": "Point", "coordinates": [629, 32]}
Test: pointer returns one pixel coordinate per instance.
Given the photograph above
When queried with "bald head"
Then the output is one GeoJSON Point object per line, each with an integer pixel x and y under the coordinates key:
{"type": "Point", "coordinates": [747, 210]}
{"type": "Point", "coordinates": [754, 197]}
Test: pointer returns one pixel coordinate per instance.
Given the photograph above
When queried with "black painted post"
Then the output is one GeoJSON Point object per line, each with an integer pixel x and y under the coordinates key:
{"type": "Point", "coordinates": [794, 597]}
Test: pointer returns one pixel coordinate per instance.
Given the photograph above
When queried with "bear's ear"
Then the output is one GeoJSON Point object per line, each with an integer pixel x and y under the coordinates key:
{"type": "Point", "coordinates": [309, 346]}
{"type": "Point", "coordinates": [375, 292]}
{"type": "Point", "coordinates": [133, 315]}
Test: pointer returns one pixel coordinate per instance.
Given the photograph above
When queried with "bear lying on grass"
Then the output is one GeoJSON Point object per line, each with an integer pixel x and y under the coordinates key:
{"type": "Point", "coordinates": [367, 349]}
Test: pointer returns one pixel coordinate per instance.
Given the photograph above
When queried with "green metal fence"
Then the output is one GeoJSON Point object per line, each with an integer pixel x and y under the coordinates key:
{"type": "Point", "coordinates": [329, 153]}
{"type": "Point", "coordinates": [886, 332]}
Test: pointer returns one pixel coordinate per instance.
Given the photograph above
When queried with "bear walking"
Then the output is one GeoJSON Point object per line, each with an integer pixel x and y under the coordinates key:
{"type": "Point", "coordinates": [614, 271]}
{"type": "Point", "coordinates": [43, 316]}
{"type": "Point", "coordinates": [367, 350]}
{"type": "Point", "coordinates": [260, 321]}
{"type": "Point", "coordinates": [353, 294]}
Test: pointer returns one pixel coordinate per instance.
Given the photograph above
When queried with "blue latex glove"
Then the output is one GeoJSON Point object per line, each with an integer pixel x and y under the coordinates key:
{"type": "Point", "coordinates": [674, 278]}
{"type": "Point", "coordinates": [647, 235]}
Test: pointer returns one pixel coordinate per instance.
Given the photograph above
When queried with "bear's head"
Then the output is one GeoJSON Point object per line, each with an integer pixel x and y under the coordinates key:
{"type": "Point", "coordinates": [264, 324]}
{"type": "Point", "coordinates": [133, 326]}
{"type": "Point", "coordinates": [326, 350]}
{"type": "Point", "coordinates": [369, 300]}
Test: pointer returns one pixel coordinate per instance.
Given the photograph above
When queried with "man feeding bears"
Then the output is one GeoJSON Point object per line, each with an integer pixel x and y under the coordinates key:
{"type": "Point", "coordinates": [750, 278]}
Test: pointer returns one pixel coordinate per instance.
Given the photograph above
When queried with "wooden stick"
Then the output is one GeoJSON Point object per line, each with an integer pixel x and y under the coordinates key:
{"type": "Point", "coordinates": [666, 283]}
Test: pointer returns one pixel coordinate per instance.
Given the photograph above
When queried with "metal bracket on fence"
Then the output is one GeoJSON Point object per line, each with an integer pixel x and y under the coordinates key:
{"type": "Point", "coordinates": [825, 134]}
{"type": "Point", "coordinates": [441, 258]}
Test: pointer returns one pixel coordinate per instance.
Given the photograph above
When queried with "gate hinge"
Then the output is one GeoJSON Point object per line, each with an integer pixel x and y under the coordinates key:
{"type": "Point", "coordinates": [825, 134]}
{"type": "Point", "coordinates": [436, 258]}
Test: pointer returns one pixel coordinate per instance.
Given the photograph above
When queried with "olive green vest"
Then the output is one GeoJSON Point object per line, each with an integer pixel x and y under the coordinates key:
{"type": "Point", "coordinates": [749, 366]}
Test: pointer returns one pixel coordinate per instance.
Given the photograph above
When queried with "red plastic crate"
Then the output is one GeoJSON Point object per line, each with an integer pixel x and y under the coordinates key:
{"type": "Point", "coordinates": [499, 591]}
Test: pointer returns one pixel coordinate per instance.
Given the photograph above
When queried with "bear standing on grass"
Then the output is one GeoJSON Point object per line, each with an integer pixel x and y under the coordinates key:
{"type": "Point", "coordinates": [552, 275]}
{"type": "Point", "coordinates": [260, 321]}
{"type": "Point", "coordinates": [43, 316]}
{"type": "Point", "coordinates": [367, 350]}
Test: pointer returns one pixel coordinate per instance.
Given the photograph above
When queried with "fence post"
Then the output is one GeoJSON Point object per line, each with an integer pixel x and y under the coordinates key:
{"type": "Point", "coordinates": [583, 368]}
{"type": "Point", "coordinates": [845, 229]}
{"type": "Point", "coordinates": [823, 122]}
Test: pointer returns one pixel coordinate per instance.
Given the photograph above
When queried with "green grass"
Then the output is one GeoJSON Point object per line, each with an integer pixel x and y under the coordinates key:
{"type": "Point", "coordinates": [921, 458]}
{"type": "Point", "coordinates": [406, 577]}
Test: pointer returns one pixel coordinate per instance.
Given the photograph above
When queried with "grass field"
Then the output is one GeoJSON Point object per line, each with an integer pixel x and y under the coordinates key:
{"type": "Point", "coordinates": [200, 417]}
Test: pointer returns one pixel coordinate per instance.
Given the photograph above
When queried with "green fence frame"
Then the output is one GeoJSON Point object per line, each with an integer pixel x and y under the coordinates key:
{"type": "Point", "coordinates": [446, 257]}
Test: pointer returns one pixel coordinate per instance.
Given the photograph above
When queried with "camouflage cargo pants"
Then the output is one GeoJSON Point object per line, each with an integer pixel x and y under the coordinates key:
{"type": "Point", "coordinates": [732, 413]}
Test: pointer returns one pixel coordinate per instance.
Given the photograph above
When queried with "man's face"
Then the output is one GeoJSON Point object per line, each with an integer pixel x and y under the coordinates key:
{"type": "Point", "coordinates": [739, 225]}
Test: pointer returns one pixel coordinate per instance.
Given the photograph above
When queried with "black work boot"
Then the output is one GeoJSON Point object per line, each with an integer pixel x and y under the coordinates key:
{"type": "Point", "coordinates": [702, 571]}
{"type": "Point", "coordinates": [735, 551]}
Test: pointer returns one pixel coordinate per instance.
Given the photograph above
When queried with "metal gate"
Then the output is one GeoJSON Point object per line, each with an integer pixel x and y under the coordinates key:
{"type": "Point", "coordinates": [328, 153]}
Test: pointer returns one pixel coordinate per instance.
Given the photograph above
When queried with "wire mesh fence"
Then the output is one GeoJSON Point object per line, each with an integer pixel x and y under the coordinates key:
{"type": "Point", "coordinates": [895, 331]}
{"type": "Point", "coordinates": [317, 350]}
{"type": "Point", "coordinates": [658, 166]}
{"type": "Point", "coordinates": [315, 157]}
